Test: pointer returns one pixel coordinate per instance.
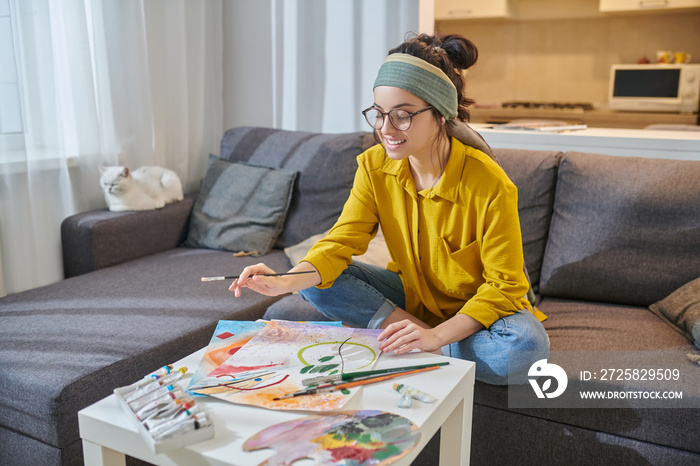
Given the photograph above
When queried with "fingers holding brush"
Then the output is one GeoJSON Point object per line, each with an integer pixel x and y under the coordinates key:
{"type": "Point", "coordinates": [262, 279]}
{"type": "Point", "coordinates": [254, 277]}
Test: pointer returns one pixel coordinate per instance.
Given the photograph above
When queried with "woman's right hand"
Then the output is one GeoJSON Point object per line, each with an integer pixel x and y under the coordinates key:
{"type": "Point", "coordinates": [253, 277]}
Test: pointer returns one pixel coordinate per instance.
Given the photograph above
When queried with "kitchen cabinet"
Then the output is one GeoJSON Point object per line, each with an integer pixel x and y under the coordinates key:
{"type": "Point", "coordinates": [472, 9]}
{"type": "Point", "coordinates": [618, 6]}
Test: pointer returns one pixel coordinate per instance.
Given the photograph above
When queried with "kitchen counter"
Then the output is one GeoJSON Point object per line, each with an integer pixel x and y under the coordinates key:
{"type": "Point", "coordinates": [683, 145]}
{"type": "Point", "coordinates": [599, 118]}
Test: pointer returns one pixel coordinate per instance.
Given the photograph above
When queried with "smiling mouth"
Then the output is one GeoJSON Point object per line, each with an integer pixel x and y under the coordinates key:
{"type": "Point", "coordinates": [394, 142]}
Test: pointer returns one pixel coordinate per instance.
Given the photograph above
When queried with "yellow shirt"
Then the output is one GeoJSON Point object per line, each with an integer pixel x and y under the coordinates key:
{"type": "Point", "coordinates": [457, 246]}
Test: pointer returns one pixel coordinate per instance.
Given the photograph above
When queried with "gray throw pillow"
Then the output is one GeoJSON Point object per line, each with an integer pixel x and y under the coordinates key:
{"type": "Point", "coordinates": [326, 164]}
{"type": "Point", "coordinates": [681, 310]}
{"type": "Point", "coordinates": [240, 208]}
{"type": "Point", "coordinates": [624, 230]}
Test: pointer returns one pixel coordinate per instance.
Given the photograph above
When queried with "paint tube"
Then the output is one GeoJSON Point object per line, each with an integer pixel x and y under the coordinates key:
{"type": "Point", "coordinates": [193, 423]}
{"type": "Point", "coordinates": [173, 377]}
{"type": "Point", "coordinates": [413, 393]}
{"type": "Point", "coordinates": [150, 383]}
{"type": "Point", "coordinates": [144, 389]}
{"type": "Point", "coordinates": [182, 402]}
{"type": "Point", "coordinates": [146, 384]}
{"type": "Point", "coordinates": [169, 412]}
{"type": "Point", "coordinates": [151, 408]}
{"type": "Point", "coordinates": [175, 417]}
{"type": "Point", "coordinates": [406, 401]}
{"type": "Point", "coordinates": [154, 405]}
{"type": "Point", "coordinates": [142, 401]}
{"type": "Point", "coordinates": [165, 370]}
{"type": "Point", "coordinates": [166, 410]}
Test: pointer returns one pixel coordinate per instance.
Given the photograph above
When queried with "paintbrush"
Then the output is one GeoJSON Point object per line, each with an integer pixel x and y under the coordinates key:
{"type": "Point", "coordinates": [356, 383]}
{"type": "Point", "coordinates": [363, 374]}
{"type": "Point", "coordinates": [233, 277]}
{"type": "Point", "coordinates": [331, 384]}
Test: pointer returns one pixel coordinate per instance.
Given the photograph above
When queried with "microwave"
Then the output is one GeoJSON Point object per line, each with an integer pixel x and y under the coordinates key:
{"type": "Point", "coordinates": [655, 88]}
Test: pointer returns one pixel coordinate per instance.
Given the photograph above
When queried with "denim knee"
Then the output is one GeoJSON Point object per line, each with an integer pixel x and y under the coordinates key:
{"type": "Point", "coordinates": [504, 353]}
{"type": "Point", "coordinates": [358, 297]}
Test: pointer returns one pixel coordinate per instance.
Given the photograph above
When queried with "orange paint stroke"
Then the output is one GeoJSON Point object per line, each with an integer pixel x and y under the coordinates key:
{"type": "Point", "coordinates": [228, 385]}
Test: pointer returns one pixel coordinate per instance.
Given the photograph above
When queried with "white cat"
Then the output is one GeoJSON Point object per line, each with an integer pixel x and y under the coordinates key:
{"type": "Point", "coordinates": [145, 188]}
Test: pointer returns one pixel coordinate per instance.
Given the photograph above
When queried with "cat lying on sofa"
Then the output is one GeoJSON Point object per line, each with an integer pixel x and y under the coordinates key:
{"type": "Point", "coordinates": [146, 188]}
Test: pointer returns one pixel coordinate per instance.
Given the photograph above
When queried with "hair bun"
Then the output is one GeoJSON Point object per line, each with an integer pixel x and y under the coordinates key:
{"type": "Point", "coordinates": [461, 51]}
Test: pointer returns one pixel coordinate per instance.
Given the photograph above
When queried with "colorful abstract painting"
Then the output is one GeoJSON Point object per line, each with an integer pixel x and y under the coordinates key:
{"type": "Point", "coordinates": [228, 338]}
{"type": "Point", "coordinates": [350, 438]}
{"type": "Point", "coordinates": [275, 361]}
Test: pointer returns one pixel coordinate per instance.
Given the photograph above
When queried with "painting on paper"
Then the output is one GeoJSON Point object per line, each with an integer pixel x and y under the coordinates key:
{"type": "Point", "coordinates": [348, 438]}
{"type": "Point", "coordinates": [228, 338]}
{"type": "Point", "coordinates": [274, 363]}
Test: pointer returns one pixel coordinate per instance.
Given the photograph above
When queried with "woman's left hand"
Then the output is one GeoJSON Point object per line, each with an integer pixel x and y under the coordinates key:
{"type": "Point", "coordinates": [404, 336]}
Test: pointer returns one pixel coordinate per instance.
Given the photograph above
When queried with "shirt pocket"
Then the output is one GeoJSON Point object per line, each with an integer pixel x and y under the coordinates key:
{"type": "Point", "coordinates": [460, 270]}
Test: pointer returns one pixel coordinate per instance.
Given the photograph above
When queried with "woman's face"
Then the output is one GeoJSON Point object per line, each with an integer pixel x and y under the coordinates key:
{"type": "Point", "coordinates": [417, 140]}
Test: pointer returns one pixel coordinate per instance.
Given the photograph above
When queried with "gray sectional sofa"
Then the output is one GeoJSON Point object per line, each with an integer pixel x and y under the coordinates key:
{"type": "Point", "coordinates": [604, 238]}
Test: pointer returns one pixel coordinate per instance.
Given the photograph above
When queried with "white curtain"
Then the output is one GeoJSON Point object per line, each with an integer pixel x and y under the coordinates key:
{"type": "Point", "coordinates": [141, 82]}
{"type": "Point", "coordinates": [326, 56]}
{"type": "Point", "coordinates": [128, 82]}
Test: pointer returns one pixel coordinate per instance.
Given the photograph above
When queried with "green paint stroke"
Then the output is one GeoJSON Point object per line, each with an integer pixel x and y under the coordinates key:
{"type": "Point", "coordinates": [323, 368]}
{"type": "Point", "coordinates": [323, 359]}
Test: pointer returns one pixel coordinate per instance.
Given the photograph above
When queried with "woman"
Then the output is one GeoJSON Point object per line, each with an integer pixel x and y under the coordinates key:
{"type": "Point", "coordinates": [456, 283]}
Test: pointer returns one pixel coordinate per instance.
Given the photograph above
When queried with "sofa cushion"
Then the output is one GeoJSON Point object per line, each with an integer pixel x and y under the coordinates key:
{"type": "Point", "coordinates": [95, 239]}
{"type": "Point", "coordinates": [580, 325]}
{"type": "Point", "coordinates": [681, 310]}
{"type": "Point", "coordinates": [326, 164]}
{"type": "Point", "coordinates": [624, 229]}
{"type": "Point", "coordinates": [67, 345]}
{"type": "Point", "coordinates": [535, 175]}
{"type": "Point", "coordinates": [293, 307]}
{"type": "Point", "coordinates": [240, 207]}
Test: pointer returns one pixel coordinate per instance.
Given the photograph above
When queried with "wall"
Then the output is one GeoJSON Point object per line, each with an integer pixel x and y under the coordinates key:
{"type": "Point", "coordinates": [566, 59]}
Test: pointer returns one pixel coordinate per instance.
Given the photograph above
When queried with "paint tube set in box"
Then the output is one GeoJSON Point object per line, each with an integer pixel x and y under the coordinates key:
{"type": "Point", "coordinates": [167, 416]}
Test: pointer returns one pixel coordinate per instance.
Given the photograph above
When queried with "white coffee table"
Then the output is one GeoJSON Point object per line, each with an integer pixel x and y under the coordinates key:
{"type": "Point", "coordinates": [109, 434]}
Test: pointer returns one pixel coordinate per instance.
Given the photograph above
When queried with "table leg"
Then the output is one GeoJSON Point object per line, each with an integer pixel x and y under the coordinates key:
{"type": "Point", "coordinates": [97, 455]}
{"type": "Point", "coordinates": [456, 435]}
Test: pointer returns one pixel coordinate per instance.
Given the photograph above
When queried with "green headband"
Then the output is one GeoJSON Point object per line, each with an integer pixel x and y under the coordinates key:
{"type": "Point", "coordinates": [421, 79]}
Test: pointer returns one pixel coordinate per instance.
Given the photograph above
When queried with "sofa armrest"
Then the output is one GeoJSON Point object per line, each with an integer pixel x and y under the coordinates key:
{"type": "Point", "coordinates": [100, 238]}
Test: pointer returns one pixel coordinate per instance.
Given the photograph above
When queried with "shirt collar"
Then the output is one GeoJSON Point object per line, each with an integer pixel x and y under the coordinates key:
{"type": "Point", "coordinates": [447, 188]}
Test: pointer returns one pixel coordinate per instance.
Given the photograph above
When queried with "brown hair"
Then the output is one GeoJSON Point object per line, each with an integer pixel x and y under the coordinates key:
{"type": "Point", "coordinates": [451, 53]}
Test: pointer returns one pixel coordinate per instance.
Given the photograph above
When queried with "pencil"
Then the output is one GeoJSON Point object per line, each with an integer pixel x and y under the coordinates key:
{"type": "Point", "coordinates": [233, 277]}
{"type": "Point", "coordinates": [355, 375]}
{"type": "Point", "coordinates": [357, 383]}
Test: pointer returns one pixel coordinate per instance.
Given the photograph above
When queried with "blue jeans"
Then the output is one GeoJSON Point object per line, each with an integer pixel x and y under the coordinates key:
{"type": "Point", "coordinates": [364, 295]}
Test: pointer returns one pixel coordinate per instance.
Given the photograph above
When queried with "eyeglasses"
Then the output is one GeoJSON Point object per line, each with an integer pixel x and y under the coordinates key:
{"type": "Point", "coordinates": [400, 119]}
